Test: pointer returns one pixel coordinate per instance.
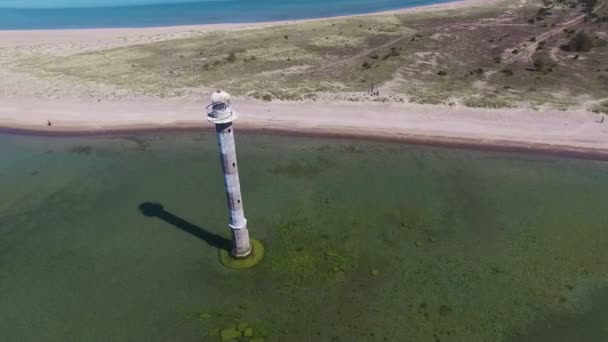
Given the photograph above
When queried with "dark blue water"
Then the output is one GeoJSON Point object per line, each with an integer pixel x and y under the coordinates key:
{"type": "Point", "coordinates": [61, 14]}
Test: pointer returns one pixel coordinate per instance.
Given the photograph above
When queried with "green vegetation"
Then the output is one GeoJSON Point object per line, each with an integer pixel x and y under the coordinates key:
{"type": "Point", "coordinates": [229, 327]}
{"type": "Point", "coordinates": [543, 62]}
{"type": "Point", "coordinates": [487, 101]}
{"type": "Point", "coordinates": [602, 107]}
{"type": "Point", "coordinates": [256, 256]}
{"type": "Point", "coordinates": [302, 256]}
{"type": "Point", "coordinates": [581, 42]}
{"type": "Point", "coordinates": [257, 62]}
{"type": "Point", "coordinates": [435, 57]}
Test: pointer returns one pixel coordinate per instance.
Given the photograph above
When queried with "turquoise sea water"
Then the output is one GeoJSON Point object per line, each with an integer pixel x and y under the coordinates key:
{"type": "Point", "coordinates": [57, 14]}
{"type": "Point", "coordinates": [365, 242]}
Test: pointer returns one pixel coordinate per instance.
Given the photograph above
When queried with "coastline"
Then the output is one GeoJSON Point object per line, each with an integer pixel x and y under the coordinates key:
{"type": "Point", "coordinates": [10, 38]}
{"type": "Point", "coordinates": [570, 134]}
{"type": "Point", "coordinates": [563, 151]}
{"type": "Point", "coordinates": [574, 133]}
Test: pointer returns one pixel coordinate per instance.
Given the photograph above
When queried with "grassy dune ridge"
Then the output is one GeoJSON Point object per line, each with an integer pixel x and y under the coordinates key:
{"type": "Point", "coordinates": [506, 55]}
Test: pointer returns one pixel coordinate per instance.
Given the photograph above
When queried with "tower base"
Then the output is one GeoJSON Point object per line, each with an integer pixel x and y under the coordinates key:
{"type": "Point", "coordinates": [257, 254]}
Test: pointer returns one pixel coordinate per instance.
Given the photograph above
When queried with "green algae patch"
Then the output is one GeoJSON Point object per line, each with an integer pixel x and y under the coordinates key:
{"type": "Point", "coordinates": [229, 334]}
{"type": "Point", "coordinates": [332, 254]}
{"type": "Point", "coordinates": [248, 332]}
{"type": "Point", "coordinates": [257, 254]}
{"type": "Point", "coordinates": [214, 332]}
{"type": "Point", "coordinates": [302, 256]}
{"type": "Point", "coordinates": [204, 315]}
{"type": "Point", "coordinates": [242, 326]}
{"type": "Point", "coordinates": [242, 331]}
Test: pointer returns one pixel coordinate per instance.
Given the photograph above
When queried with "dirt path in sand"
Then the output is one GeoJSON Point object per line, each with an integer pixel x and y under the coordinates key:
{"type": "Point", "coordinates": [527, 53]}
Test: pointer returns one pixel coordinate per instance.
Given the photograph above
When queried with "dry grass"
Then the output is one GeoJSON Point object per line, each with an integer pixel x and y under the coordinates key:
{"type": "Point", "coordinates": [460, 55]}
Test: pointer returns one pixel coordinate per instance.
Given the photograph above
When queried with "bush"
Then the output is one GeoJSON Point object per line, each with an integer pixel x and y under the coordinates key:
{"type": "Point", "coordinates": [543, 11]}
{"type": "Point", "coordinates": [231, 57]}
{"type": "Point", "coordinates": [442, 73]}
{"type": "Point", "coordinates": [542, 62]}
{"type": "Point", "coordinates": [603, 107]}
{"type": "Point", "coordinates": [267, 97]}
{"type": "Point", "coordinates": [581, 42]}
{"type": "Point", "coordinates": [487, 101]}
{"type": "Point", "coordinates": [366, 65]}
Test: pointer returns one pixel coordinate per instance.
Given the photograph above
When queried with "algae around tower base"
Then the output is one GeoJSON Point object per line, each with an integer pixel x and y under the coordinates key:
{"type": "Point", "coordinates": [256, 256]}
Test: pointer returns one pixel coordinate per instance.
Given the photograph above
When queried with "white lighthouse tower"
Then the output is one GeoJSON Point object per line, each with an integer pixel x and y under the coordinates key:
{"type": "Point", "coordinates": [222, 115]}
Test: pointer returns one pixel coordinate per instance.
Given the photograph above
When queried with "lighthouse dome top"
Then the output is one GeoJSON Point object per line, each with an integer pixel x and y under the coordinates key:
{"type": "Point", "coordinates": [220, 110]}
{"type": "Point", "coordinates": [220, 96]}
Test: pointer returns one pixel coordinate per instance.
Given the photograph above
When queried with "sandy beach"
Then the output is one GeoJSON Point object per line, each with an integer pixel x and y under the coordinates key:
{"type": "Point", "coordinates": [572, 132]}
{"type": "Point", "coordinates": [577, 133]}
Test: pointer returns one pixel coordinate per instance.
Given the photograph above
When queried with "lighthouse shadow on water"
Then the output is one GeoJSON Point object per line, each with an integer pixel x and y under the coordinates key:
{"type": "Point", "coordinates": [150, 209]}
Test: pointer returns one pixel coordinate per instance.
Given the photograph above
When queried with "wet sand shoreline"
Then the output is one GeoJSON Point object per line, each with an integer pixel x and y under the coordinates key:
{"type": "Point", "coordinates": [537, 149]}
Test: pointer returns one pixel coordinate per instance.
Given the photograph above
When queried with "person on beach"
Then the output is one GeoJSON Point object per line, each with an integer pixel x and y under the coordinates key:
{"type": "Point", "coordinates": [48, 123]}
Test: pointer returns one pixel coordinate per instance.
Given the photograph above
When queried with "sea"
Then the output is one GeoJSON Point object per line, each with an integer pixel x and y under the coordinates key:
{"type": "Point", "coordinates": [116, 238]}
{"type": "Point", "coordinates": [74, 14]}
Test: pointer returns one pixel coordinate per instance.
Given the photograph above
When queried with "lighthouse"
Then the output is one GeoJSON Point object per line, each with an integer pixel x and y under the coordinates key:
{"type": "Point", "coordinates": [244, 250]}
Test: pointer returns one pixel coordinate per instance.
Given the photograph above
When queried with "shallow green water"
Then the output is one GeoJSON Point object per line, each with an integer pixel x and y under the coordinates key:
{"type": "Point", "coordinates": [364, 241]}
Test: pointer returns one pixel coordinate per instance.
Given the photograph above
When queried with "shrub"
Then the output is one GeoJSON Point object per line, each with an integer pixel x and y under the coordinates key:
{"type": "Point", "coordinates": [442, 73]}
{"type": "Point", "coordinates": [231, 57]}
{"type": "Point", "coordinates": [543, 11]}
{"type": "Point", "coordinates": [366, 65]}
{"type": "Point", "coordinates": [267, 97]}
{"type": "Point", "coordinates": [478, 71]}
{"type": "Point", "coordinates": [543, 62]}
{"type": "Point", "coordinates": [487, 101]}
{"type": "Point", "coordinates": [581, 42]}
{"type": "Point", "coordinates": [603, 107]}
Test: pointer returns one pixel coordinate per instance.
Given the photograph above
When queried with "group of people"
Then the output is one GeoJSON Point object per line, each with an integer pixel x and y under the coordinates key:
{"type": "Point", "coordinates": [373, 92]}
